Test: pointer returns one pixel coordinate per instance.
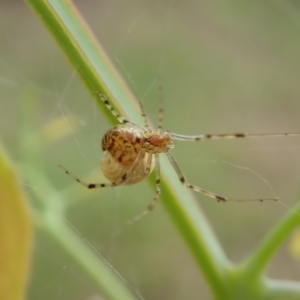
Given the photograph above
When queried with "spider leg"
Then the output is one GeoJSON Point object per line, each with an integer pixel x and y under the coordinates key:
{"type": "Point", "coordinates": [157, 191]}
{"type": "Point", "coordinates": [161, 109]}
{"type": "Point", "coordinates": [112, 110]}
{"type": "Point", "coordinates": [87, 185]}
{"type": "Point", "coordinates": [144, 116]}
{"type": "Point", "coordinates": [121, 181]}
{"type": "Point", "coordinates": [197, 189]}
{"type": "Point", "coordinates": [201, 137]}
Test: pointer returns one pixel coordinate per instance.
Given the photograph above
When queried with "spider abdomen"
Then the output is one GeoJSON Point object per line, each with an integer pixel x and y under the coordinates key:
{"type": "Point", "coordinates": [121, 145]}
{"type": "Point", "coordinates": [113, 170]}
{"type": "Point", "coordinates": [124, 143]}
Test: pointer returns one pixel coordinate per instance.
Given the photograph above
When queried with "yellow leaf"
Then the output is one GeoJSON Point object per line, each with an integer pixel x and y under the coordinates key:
{"type": "Point", "coordinates": [15, 234]}
{"type": "Point", "coordinates": [294, 246]}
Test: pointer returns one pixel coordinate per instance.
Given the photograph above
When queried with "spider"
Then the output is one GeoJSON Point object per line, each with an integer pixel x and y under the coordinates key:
{"type": "Point", "coordinates": [131, 152]}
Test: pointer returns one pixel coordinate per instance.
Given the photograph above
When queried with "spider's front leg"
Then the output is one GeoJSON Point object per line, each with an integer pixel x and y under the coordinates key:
{"type": "Point", "coordinates": [205, 192]}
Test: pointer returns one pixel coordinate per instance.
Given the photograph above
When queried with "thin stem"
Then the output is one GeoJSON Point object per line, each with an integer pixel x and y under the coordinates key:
{"type": "Point", "coordinates": [282, 289]}
{"type": "Point", "coordinates": [111, 283]}
{"type": "Point", "coordinates": [257, 262]}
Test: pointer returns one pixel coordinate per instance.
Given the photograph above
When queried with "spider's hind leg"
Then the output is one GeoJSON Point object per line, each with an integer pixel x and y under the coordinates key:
{"type": "Point", "coordinates": [157, 191]}
{"type": "Point", "coordinates": [85, 184]}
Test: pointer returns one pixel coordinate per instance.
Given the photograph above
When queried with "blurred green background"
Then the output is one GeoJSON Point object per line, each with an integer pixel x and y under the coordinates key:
{"type": "Point", "coordinates": [225, 66]}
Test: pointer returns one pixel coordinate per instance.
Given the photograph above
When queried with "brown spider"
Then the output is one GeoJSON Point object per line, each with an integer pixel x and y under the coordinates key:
{"type": "Point", "coordinates": [130, 153]}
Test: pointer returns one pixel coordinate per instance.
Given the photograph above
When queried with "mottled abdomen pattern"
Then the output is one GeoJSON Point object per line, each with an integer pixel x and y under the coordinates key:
{"type": "Point", "coordinates": [121, 145]}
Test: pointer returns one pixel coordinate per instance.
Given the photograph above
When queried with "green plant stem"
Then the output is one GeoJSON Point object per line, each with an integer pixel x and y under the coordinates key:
{"type": "Point", "coordinates": [74, 37]}
{"type": "Point", "coordinates": [112, 285]}
{"type": "Point", "coordinates": [282, 289]}
{"type": "Point", "coordinates": [85, 54]}
{"type": "Point", "coordinates": [257, 262]}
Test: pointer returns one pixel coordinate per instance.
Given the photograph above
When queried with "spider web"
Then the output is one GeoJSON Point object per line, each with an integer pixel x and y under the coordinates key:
{"type": "Point", "coordinates": [217, 77]}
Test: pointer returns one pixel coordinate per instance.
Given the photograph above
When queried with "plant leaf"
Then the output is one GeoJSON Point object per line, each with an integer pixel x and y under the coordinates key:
{"type": "Point", "coordinates": [15, 234]}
